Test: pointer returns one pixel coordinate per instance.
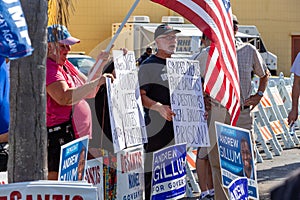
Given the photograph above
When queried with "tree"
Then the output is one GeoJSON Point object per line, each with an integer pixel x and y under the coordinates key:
{"type": "Point", "coordinates": [28, 135]}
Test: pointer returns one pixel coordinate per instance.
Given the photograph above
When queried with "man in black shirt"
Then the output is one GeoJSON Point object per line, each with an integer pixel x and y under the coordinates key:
{"type": "Point", "coordinates": [145, 55]}
{"type": "Point", "coordinates": [155, 95]}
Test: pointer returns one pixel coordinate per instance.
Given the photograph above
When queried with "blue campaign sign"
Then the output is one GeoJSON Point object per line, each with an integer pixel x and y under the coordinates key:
{"type": "Point", "coordinates": [236, 156]}
{"type": "Point", "coordinates": [72, 160]}
{"type": "Point", "coordinates": [169, 172]}
{"type": "Point", "coordinates": [14, 38]}
{"type": "Point", "coordinates": [238, 189]}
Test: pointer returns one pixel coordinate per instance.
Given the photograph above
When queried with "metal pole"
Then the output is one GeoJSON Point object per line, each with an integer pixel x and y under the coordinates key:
{"type": "Point", "coordinates": [95, 69]}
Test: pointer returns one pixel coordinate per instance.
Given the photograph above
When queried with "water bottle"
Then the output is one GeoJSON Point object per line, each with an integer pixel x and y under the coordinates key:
{"type": "Point", "coordinates": [292, 129]}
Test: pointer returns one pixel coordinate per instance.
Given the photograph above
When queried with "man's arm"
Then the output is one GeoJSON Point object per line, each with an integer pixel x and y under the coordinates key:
{"type": "Point", "coordinates": [293, 115]}
{"type": "Point", "coordinates": [263, 81]}
{"type": "Point", "coordinates": [4, 137]}
{"type": "Point", "coordinates": [164, 110]}
{"type": "Point", "coordinates": [255, 99]}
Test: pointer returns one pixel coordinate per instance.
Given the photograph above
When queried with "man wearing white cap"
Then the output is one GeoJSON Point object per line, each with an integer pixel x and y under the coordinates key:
{"type": "Point", "coordinates": [68, 114]}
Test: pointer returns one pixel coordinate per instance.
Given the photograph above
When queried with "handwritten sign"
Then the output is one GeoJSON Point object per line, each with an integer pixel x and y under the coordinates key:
{"type": "Point", "coordinates": [169, 173]}
{"type": "Point", "coordinates": [236, 156]}
{"type": "Point", "coordinates": [115, 114]}
{"type": "Point", "coordinates": [128, 125]}
{"type": "Point", "coordinates": [73, 158]}
{"type": "Point", "coordinates": [130, 174]}
{"type": "Point", "coordinates": [187, 102]}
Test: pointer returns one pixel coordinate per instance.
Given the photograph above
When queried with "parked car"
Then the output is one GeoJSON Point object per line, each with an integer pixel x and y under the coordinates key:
{"type": "Point", "coordinates": [83, 62]}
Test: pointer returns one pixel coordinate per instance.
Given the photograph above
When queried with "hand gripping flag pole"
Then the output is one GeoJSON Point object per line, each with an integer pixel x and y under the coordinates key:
{"type": "Point", "coordinates": [98, 63]}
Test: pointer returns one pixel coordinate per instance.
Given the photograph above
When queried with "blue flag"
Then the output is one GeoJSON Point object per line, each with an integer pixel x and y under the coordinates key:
{"type": "Point", "coordinates": [14, 38]}
{"type": "Point", "coordinates": [4, 97]}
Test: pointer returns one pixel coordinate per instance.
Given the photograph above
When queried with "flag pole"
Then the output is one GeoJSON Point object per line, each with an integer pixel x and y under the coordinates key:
{"type": "Point", "coordinates": [95, 69]}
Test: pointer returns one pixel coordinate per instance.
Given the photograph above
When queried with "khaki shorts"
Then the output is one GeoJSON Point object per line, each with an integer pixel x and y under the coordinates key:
{"type": "Point", "coordinates": [202, 153]}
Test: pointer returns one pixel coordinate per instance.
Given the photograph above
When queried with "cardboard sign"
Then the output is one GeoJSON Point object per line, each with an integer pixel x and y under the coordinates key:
{"type": "Point", "coordinates": [125, 105]}
{"type": "Point", "coordinates": [115, 115]}
{"type": "Point", "coordinates": [187, 103]}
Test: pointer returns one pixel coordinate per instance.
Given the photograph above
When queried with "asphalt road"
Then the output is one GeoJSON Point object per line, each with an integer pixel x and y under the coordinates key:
{"type": "Point", "coordinates": [273, 172]}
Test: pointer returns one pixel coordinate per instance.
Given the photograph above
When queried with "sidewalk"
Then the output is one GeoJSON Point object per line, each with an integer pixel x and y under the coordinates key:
{"type": "Point", "coordinates": [272, 173]}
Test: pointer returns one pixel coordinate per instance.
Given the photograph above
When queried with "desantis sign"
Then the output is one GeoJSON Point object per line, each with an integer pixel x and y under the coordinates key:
{"type": "Point", "coordinates": [50, 190]}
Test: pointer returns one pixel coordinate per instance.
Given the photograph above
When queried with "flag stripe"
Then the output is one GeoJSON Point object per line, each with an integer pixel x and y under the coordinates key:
{"type": "Point", "coordinates": [214, 19]}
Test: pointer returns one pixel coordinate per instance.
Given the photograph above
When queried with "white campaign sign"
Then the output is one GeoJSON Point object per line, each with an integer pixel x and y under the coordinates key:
{"type": "Point", "coordinates": [3, 178]}
{"type": "Point", "coordinates": [94, 174]}
{"type": "Point", "coordinates": [48, 190]}
{"type": "Point", "coordinates": [187, 103]}
{"type": "Point", "coordinates": [130, 173]}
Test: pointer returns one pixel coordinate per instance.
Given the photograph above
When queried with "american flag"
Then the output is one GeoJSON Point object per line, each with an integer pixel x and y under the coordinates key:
{"type": "Point", "coordinates": [214, 19]}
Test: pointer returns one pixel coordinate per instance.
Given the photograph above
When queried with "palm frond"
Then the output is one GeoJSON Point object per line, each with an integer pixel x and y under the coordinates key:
{"type": "Point", "coordinates": [59, 11]}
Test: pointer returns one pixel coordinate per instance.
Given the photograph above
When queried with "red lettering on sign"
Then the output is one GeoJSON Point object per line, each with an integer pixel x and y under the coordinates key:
{"type": "Point", "coordinates": [77, 197]}
{"type": "Point", "coordinates": [15, 195]}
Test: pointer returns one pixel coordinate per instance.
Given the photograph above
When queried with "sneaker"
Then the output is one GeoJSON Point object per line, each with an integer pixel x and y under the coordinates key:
{"type": "Point", "coordinates": [211, 197]}
{"type": "Point", "coordinates": [206, 197]}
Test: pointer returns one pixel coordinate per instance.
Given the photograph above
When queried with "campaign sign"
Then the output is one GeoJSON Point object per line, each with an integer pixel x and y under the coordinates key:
{"type": "Point", "coordinates": [169, 173]}
{"type": "Point", "coordinates": [14, 37]}
{"type": "Point", "coordinates": [50, 190]}
{"type": "Point", "coordinates": [73, 158]}
{"type": "Point", "coordinates": [238, 189]}
{"type": "Point", "coordinates": [3, 178]}
{"type": "Point", "coordinates": [190, 125]}
{"type": "Point", "coordinates": [94, 175]}
{"type": "Point", "coordinates": [130, 174]}
{"type": "Point", "coordinates": [236, 156]}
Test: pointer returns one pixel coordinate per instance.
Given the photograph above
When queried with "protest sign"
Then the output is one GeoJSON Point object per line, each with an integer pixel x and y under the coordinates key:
{"type": "Point", "coordinates": [115, 115]}
{"type": "Point", "coordinates": [236, 156]}
{"type": "Point", "coordinates": [50, 190]}
{"type": "Point", "coordinates": [130, 174]}
{"type": "Point", "coordinates": [127, 73]}
{"type": "Point", "coordinates": [169, 173]}
{"type": "Point", "coordinates": [126, 110]}
{"type": "Point", "coordinates": [238, 189]}
{"type": "Point", "coordinates": [187, 102]}
{"type": "Point", "coordinates": [94, 174]}
{"type": "Point", "coordinates": [73, 157]}
{"type": "Point", "coordinates": [14, 37]}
